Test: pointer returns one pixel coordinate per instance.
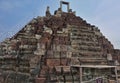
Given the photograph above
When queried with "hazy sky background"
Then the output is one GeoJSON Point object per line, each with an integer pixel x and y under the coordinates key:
{"type": "Point", "coordinates": [105, 14]}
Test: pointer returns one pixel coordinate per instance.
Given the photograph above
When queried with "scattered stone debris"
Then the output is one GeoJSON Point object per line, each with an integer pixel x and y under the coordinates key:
{"type": "Point", "coordinates": [59, 48]}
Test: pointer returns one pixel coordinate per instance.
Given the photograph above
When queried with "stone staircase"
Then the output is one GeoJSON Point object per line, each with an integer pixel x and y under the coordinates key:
{"type": "Point", "coordinates": [85, 45]}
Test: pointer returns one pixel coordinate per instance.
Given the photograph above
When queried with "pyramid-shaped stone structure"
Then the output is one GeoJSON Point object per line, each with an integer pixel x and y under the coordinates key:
{"type": "Point", "coordinates": [59, 48]}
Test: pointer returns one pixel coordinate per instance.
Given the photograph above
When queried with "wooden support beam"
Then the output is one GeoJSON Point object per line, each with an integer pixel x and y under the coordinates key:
{"type": "Point", "coordinates": [80, 71]}
{"type": "Point", "coordinates": [116, 75]}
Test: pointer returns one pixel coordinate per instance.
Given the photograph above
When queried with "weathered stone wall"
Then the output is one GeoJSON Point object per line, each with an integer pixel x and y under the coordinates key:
{"type": "Point", "coordinates": [45, 49]}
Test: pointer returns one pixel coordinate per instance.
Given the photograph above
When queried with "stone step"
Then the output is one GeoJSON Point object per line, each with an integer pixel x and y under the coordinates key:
{"type": "Point", "coordinates": [80, 36]}
{"type": "Point", "coordinates": [88, 61]}
{"type": "Point", "coordinates": [83, 42]}
{"type": "Point", "coordinates": [92, 60]}
{"type": "Point", "coordinates": [84, 39]}
{"type": "Point", "coordinates": [83, 31]}
{"type": "Point", "coordinates": [95, 62]}
{"type": "Point", "coordinates": [68, 82]}
{"type": "Point", "coordinates": [27, 52]}
{"type": "Point", "coordinates": [40, 80]}
{"type": "Point", "coordinates": [27, 46]}
{"type": "Point", "coordinates": [26, 37]}
{"type": "Point", "coordinates": [88, 48]}
{"type": "Point", "coordinates": [86, 53]}
{"type": "Point", "coordinates": [83, 34]}
{"type": "Point", "coordinates": [80, 28]}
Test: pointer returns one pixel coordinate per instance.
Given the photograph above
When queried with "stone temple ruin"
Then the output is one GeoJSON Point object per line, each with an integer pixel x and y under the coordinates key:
{"type": "Point", "coordinates": [59, 48]}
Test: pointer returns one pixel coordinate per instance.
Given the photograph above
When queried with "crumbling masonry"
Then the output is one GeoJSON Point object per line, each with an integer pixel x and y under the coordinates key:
{"type": "Point", "coordinates": [59, 48]}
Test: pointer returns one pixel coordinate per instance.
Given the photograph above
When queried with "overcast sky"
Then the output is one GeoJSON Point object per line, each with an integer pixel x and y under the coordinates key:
{"type": "Point", "coordinates": [105, 14]}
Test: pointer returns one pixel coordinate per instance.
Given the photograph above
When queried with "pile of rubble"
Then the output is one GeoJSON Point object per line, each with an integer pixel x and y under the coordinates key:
{"type": "Point", "coordinates": [54, 48]}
